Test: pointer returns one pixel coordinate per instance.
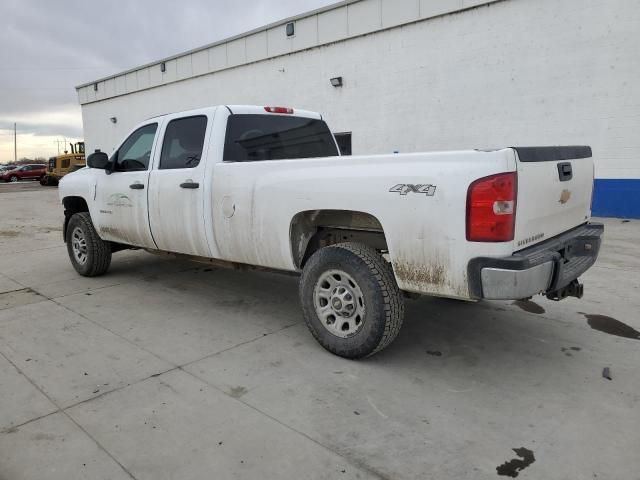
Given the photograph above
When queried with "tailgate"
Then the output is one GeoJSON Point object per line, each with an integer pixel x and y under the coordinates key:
{"type": "Point", "coordinates": [554, 192]}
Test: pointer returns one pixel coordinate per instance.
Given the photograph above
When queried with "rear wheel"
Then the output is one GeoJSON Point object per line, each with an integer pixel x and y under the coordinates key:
{"type": "Point", "coordinates": [351, 301]}
{"type": "Point", "coordinates": [13, 179]}
{"type": "Point", "coordinates": [89, 254]}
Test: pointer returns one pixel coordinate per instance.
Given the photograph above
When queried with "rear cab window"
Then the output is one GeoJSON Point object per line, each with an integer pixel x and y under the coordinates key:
{"type": "Point", "coordinates": [254, 137]}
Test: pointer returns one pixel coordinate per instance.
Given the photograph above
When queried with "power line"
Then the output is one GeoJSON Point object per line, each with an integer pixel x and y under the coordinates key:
{"type": "Point", "coordinates": [37, 88]}
{"type": "Point", "coordinates": [52, 68]}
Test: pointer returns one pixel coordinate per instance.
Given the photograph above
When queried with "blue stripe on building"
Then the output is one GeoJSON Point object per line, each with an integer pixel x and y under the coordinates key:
{"type": "Point", "coordinates": [616, 198]}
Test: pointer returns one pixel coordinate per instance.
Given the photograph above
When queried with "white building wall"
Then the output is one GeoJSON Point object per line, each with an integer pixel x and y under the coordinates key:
{"type": "Point", "coordinates": [516, 72]}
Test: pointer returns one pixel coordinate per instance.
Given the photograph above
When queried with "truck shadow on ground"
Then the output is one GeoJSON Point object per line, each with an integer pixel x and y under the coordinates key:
{"type": "Point", "coordinates": [480, 337]}
{"type": "Point", "coordinates": [463, 337]}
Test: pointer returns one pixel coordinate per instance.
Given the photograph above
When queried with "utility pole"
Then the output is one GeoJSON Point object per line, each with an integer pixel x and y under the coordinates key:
{"type": "Point", "coordinates": [15, 143]}
{"type": "Point", "coordinates": [58, 142]}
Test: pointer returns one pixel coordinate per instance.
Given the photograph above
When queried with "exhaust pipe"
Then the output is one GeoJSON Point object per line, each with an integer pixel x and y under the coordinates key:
{"type": "Point", "coordinates": [574, 289]}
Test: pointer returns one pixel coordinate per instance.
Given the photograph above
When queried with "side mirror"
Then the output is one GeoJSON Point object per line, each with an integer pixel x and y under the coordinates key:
{"type": "Point", "coordinates": [98, 159]}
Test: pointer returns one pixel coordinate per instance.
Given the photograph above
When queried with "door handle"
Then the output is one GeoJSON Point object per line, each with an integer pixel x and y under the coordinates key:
{"type": "Point", "coordinates": [565, 171]}
{"type": "Point", "coordinates": [190, 185]}
{"type": "Point", "coordinates": [136, 186]}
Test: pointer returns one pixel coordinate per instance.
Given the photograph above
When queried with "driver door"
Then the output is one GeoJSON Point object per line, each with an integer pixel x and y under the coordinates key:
{"type": "Point", "coordinates": [123, 215]}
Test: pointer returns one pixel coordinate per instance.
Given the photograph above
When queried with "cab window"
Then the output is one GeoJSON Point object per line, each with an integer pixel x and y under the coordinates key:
{"type": "Point", "coordinates": [183, 143]}
{"type": "Point", "coordinates": [254, 138]}
{"type": "Point", "coordinates": [135, 152]}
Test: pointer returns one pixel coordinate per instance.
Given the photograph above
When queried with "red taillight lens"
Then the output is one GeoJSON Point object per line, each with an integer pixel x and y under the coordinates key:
{"type": "Point", "coordinates": [288, 111]}
{"type": "Point", "coordinates": [491, 208]}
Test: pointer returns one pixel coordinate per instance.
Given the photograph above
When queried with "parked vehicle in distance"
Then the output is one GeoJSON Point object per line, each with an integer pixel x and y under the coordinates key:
{"type": "Point", "coordinates": [24, 172]}
{"type": "Point", "coordinates": [265, 187]}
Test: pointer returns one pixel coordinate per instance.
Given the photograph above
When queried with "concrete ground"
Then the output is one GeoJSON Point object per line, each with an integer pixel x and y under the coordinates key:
{"type": "Point", "coordinates": [168, 370]}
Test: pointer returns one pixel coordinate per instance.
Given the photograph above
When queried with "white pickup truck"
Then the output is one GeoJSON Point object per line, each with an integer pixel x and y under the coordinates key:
{"type": "Point", "coordinates": [266, 187]}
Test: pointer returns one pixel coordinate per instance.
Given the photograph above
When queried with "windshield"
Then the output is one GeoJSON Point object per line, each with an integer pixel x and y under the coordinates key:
{"type": "Point", "coordinates": [253, 138]}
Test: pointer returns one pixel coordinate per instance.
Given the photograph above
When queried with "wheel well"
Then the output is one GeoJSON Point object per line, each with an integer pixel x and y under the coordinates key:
{"type": "Point", "coordinates": [72, 205]}
{"type": "Point", "coordinates": [315, 229]}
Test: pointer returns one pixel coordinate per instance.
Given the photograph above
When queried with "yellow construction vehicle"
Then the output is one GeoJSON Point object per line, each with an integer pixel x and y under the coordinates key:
{"type": "Point", "coordinates": [59, 166]}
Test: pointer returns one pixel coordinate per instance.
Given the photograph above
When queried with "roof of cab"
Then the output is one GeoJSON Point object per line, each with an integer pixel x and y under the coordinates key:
{"type": "Point", "coordinates": [261, 110]}
{"type": "Point", "coordinates": [245, 110]}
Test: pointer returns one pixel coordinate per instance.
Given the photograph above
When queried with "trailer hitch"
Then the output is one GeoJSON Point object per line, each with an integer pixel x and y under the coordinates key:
{"type": "Point", "coordinates": [574, 289]}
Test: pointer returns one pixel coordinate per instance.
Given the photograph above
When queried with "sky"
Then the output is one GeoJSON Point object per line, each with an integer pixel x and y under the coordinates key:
{"type": "Point", "coordinates": [48, 47]}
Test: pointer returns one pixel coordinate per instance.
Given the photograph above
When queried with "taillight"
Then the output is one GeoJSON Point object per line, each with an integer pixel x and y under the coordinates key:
{"type": "Point", "coordinates": [491, 208]}
{"type": "Point", "coordinates": [288, 111]}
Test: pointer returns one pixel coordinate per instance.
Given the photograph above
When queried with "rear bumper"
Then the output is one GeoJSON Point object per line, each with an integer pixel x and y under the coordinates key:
{"type": "Point", "coordinates": [544, 268]}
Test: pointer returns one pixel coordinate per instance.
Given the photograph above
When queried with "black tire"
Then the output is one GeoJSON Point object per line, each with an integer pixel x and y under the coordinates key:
{"type": "Point", "coordinates": [14, 179]}
{"type": "Point", "coordinates": [97, 256]}
{"type": "Point", "coordinates": [383, 301]}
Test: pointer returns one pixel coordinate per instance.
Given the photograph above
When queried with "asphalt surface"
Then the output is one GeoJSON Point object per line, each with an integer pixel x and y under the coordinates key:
{"type": "Point", "coordinates": [168, 370]}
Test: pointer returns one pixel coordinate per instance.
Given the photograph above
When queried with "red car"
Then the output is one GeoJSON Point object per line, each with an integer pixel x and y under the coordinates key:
{"type": "Point", "coordinates": [24, 172]}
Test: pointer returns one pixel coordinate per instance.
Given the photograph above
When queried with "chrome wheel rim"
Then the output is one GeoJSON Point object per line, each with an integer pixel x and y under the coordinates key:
{"type": "Point", "coordinates": [79, 245]}
{"type": "Point", "coordinates": [14, 179]}
{"type": "Point", "coordinates": [339, 303]}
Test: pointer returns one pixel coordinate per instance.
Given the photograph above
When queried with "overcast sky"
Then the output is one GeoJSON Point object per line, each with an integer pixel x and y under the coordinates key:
{"type": "Point", "coordinates": [48, 47]}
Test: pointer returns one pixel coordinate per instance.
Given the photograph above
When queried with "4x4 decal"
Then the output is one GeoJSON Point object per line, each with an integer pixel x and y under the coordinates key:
{"type": "Point", "coordinates": [405, 189]}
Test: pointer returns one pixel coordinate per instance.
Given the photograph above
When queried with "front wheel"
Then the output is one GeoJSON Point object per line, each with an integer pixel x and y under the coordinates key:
{"type": "Point", "coordinates": [351, 301]}
{"type": "Point", "coordinates": [89, 254]}
{"type": "Point", "coordinates": [13, 179]}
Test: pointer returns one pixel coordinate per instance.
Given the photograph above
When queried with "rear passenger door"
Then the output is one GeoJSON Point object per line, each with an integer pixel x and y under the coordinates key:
{"type": "Point", "coordinates": [177, 186]}
{"type": "Point", "coordinates": [28, 171]}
